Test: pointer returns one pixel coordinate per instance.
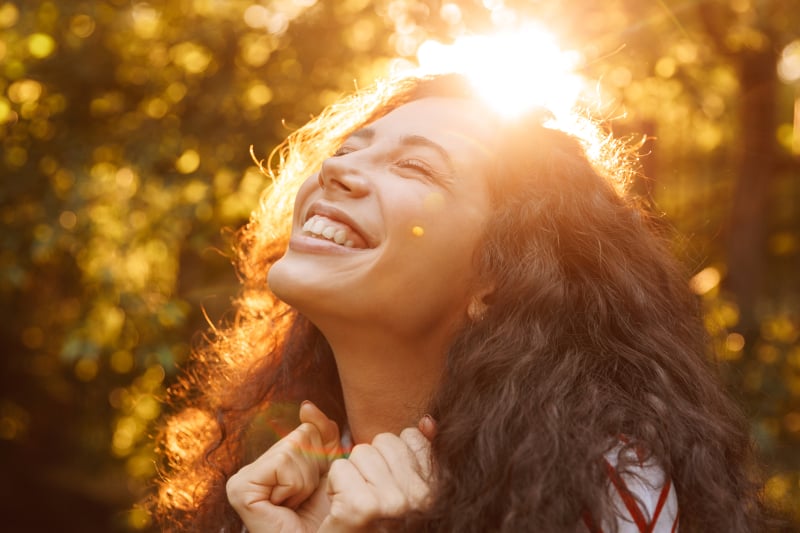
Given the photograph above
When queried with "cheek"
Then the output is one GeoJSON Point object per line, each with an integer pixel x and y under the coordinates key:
{"type": "Point", "coordinates": [419, 233]}
{"type": "Point", "coordinates": [442, 222]}
{"type": "Point", "coordinates": [437, 245]}
{"type": "Point", "coordinates": [306, 189]}
{"type": "Point", "coordinates": [435, 272]}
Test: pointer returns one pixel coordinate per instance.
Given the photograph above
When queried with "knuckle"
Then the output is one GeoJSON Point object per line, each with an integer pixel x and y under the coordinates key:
{"type": "Point", "coordinates": [394, 504]}
{"type": "Point", "coordinates": [306, 430]}
{"type": "Point", "coordinates": [414, 439]}
{"type": "Point", "coordinates": [359, 450]}
{"type": "Point", "coordinates": [282, 457]}
{"type": "Point", "coordinates": [336, 467]}
{"type": "Point", "coordinates": [383, 439]}
{"type": "Point", "coordinates": [410, 433]}
{"type": "Point", "coordinates": [419, 495]}
{"type": "Point", "coordinates": [342, 513]}
{"type": "Point", "coordinates": [358, 509]}
{"type": "Point", "coordinates": [337, 472]}
{"type": "Point", "coordinates": [298, 437]}
{"type": "Point", "coordinates": [352, 505]}
{"type": "Point", "coordinates": [234, 489]}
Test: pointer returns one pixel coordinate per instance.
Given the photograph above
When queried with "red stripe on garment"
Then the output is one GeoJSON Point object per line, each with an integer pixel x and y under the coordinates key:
{"type": "Point", "coordinates": [627, 498]}
{"type": "Point", "coordinates": [662, 499]}
{"type": "Point", "coordinates": [587, 520]}
{"type": "Point", "coordinates": [675, 524]}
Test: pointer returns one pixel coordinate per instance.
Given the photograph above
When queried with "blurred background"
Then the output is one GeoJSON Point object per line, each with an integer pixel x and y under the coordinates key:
{"type": "Point", "coordinates": [125, 134]}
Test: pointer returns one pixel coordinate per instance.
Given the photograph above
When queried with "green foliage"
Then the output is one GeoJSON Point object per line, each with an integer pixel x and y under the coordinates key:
{"type": "Point", "coordinates": [126, 127]}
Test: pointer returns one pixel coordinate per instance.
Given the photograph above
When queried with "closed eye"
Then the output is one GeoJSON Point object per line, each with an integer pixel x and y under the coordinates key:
{"type": "Point", "coordinates": [343, 150]}
{"type": "Point", "coordinates": [419, 166]}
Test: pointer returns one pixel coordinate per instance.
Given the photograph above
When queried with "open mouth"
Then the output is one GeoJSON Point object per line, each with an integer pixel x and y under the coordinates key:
{"type": "Point", "coordinates": [330, 224]}
{"type": "Point", "coordinates": [322, 227]}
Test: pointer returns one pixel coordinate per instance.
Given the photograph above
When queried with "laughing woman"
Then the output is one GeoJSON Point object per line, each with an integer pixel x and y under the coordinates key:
{"type": "Point", "coordinates": [492, 336]}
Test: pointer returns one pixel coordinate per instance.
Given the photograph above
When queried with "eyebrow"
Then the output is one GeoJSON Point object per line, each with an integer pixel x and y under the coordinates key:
{"type": "Point", "coordinates": [411, 140]}
{"type": "Point", "coordinates": [419, 140]}
{"type": "Point", "coordinates": [363, 133]}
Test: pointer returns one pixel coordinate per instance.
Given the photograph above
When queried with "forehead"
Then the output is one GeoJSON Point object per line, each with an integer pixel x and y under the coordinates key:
{"type": "Point", "coordinates": [457, 125]}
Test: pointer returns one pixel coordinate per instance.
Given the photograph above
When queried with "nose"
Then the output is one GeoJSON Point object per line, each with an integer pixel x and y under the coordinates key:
{"type": "Point", "coordinates": [341, 175]}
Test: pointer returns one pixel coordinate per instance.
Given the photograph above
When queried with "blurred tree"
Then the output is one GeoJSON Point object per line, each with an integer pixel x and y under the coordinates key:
{"type": "Point", "coordinates": [125, 128]}
{"type": "Point", "coordinates": [125, 133]}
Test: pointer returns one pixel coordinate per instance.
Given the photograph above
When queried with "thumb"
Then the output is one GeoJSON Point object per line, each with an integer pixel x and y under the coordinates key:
{"type": "Point", "coordinates": [328, 429]}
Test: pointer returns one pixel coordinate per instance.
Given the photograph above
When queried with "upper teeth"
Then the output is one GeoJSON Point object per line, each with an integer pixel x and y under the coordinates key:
{"type": "Point", "coordinates": [320, 226]}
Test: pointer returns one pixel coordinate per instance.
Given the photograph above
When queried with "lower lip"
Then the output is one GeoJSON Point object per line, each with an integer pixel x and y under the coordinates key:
{"type": "Point", "coordinates": [304, 243]}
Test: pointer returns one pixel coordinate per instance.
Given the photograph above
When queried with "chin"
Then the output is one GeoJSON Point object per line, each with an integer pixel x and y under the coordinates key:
{"type": "Point", "coordinates": [279, 281]}
{"type": "Point", "coordinates": [292, 282]}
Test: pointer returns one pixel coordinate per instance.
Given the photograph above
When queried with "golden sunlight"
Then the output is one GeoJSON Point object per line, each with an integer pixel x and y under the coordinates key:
{"type": "Point", "coordinates": [514, 70]}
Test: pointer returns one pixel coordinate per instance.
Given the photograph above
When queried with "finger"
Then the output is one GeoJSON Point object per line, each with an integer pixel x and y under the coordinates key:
{"type": "Point", "coordinates": [397, 453]}
{"type": "Point", "coordinates": [309, 461]}
{"type": "Point", "coordinates": [328, 429]}
{"type": "Point", "coordinates": [371, 464]}
{"type": "Point", "coordinates": [419, 445]}
{"type": "Point", "coordinates": [408, 459]}
{"type": "Point", "coordinates": [394, 486]}
{"type": "Point", "coordinates": [258, 481]}
{"type": "Point", "coordinates": [353, 502]}
{"type": "Point", "coordinates": [287, 473]}
{"type": "Point", "coordinates": [258, 514]}
{"type": "Point", "coordinates": [293, 482]}
{"type": "Point", "coordinates": [427, 425]}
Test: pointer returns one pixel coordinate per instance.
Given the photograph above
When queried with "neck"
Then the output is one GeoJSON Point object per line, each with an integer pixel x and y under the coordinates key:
{"type": "Point", "coordinates": [387, 381]}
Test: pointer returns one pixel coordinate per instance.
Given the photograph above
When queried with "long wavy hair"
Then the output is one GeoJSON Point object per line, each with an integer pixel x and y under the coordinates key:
{"type": "Point", "coordinates": [590, 338]}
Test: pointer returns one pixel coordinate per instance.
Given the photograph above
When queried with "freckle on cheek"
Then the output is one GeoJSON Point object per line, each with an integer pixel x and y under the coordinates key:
{"type": "Point", "coordinates": [417, 231]}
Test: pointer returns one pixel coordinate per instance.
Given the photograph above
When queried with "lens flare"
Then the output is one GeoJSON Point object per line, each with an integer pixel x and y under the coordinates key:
{"type": "Point", "coordinates": [513, 70]}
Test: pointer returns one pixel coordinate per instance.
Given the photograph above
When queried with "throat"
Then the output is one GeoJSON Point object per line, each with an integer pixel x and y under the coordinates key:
{"type": "Point", "coordinates": [375, 411]}
{"type": "Point", "coordinates": [386, 391]}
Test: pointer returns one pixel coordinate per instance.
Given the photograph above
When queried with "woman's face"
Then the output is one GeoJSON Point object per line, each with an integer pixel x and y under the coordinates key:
{"type": "Point", "coordinates": [384, 234]}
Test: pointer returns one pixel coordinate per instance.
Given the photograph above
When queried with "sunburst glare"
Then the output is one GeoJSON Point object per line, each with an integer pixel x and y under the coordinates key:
{"type": "Point", "coordinates": [514, 70]}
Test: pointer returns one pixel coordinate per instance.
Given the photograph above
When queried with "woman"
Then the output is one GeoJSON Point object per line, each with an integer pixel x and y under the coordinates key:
{"type": "Point", "coordinates": [478, 307]}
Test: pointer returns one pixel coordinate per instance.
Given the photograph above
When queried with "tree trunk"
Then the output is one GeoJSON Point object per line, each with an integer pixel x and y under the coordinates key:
{"type": "Point", "coordinates": [756, 157]}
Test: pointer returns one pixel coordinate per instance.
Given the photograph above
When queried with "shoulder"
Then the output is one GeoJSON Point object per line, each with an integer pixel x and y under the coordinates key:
{"type": "Point", "coordinates": [644, 497]}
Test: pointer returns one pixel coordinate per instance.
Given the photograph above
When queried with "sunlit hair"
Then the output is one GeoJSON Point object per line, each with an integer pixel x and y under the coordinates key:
{"type": "Point", "coordinates": [591, 338]}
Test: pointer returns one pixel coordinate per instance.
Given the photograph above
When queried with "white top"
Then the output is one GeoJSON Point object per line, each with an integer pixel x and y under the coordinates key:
{"type": "Point", "coordinates": [645, 500]}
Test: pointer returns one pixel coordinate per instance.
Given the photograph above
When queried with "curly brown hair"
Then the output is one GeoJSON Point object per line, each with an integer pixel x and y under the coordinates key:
{"type": "Point", "coordinates": [591, 337]}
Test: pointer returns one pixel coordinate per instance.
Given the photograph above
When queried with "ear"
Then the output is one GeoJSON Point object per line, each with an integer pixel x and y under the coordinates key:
{"type": "Point", "coordinates": [479, 303]}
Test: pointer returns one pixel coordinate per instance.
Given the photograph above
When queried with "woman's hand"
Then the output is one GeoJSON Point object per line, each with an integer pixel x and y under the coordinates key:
{"type": "Point", "coordinates": [281, 491]}
{"type": "Point", "coordinates": [385, 479]}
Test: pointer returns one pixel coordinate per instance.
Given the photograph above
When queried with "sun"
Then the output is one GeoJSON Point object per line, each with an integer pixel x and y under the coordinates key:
{"type": "Point", "coordinates": [513, 70]}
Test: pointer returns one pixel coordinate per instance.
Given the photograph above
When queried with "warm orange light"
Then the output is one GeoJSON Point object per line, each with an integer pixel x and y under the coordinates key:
{"type": "Point", "coordinates": [182, 432]}
{"type": "Point", "coordinates": [513, 70]}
